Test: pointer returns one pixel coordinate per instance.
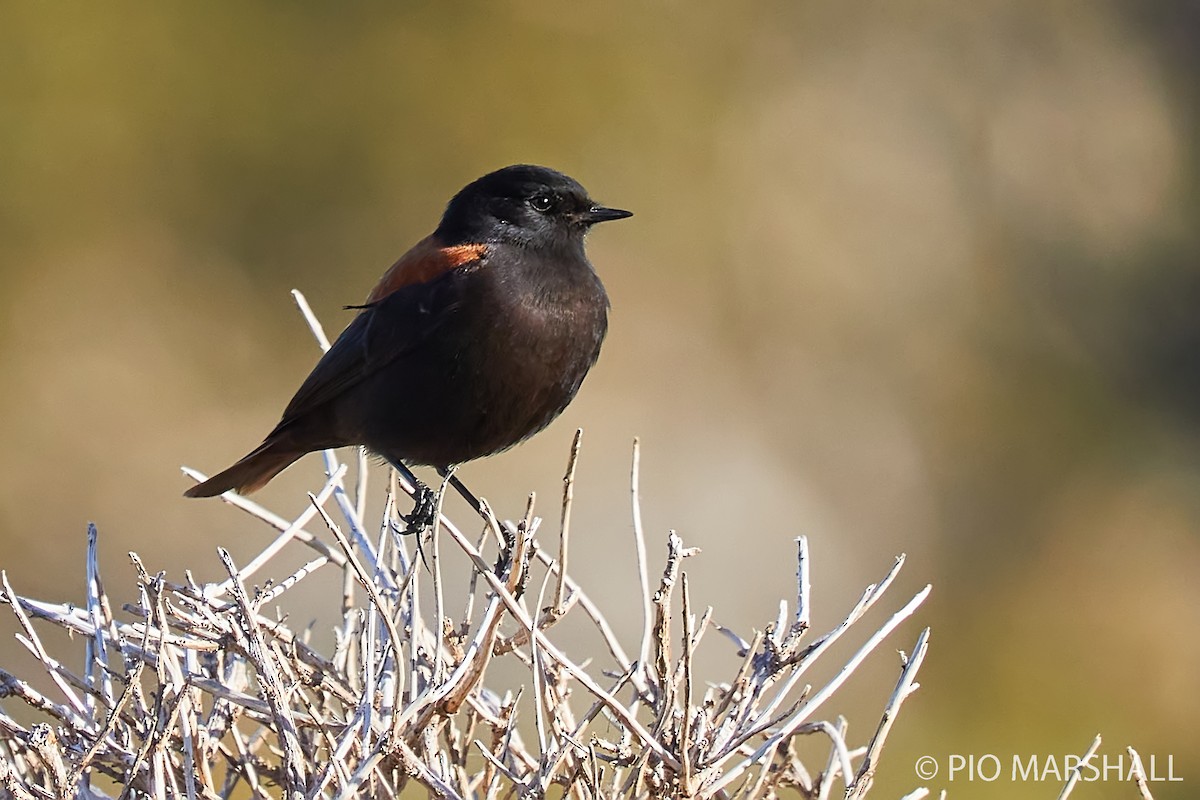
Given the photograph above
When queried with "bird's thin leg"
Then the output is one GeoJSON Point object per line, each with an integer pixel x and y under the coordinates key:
{"type": "Point", "coordinates": [426, 501]}
{"type": "Point", "coordinates": [459, 486]}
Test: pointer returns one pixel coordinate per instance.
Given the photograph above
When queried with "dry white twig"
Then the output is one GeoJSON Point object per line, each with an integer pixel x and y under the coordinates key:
{"type": "Point", "coordinates": [1139, 773]}
{"type": "Point", "coordinates": [198, 691]}
{"type": "Point", "coordinates": [1077, 770]}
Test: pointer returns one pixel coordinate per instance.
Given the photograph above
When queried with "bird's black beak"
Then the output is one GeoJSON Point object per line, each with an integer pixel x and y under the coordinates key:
{"type": "Point", "coordinates": [601, 214]}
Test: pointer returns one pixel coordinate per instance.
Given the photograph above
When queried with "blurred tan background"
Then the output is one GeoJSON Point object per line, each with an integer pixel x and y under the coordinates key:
{"type": "Point", "coordinates": [915, 277]}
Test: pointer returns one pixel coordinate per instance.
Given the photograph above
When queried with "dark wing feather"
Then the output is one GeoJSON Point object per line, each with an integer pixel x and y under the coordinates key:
{"type": "Point", "coordinates": [389, 327]}
{"type": "Point", "coordinates": [343, 365]}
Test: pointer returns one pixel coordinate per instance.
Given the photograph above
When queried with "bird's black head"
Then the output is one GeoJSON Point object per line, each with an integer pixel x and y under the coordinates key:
{"type": "Point", "coordinates": [523, 204]}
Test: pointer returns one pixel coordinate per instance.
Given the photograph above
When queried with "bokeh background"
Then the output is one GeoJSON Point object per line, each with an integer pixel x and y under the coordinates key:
{"type": "Point", "coordinates": [904, 277]}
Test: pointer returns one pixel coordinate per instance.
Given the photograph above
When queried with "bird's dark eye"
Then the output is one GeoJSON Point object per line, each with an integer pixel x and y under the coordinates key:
{"type": "Point", "coordinates": [541, 202]}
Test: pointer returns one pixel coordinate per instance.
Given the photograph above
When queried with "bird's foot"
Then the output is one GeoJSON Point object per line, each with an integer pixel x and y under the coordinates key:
{"type": "Point", "coordinates": [424, 513]}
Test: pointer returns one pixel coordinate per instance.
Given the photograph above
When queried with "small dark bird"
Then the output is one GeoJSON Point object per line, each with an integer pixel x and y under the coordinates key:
{"type": "Point", "coordinates": [476, 339]}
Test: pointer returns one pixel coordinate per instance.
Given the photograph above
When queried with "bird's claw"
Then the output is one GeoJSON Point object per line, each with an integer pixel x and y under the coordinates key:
{"type": "Point", "coordinates": [424, 512]}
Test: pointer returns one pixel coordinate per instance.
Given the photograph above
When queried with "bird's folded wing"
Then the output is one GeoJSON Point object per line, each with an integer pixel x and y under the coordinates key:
{"type": "Point", "coordinates": [426, 261]}
{"type": "Point", "coordinates": [391, 325]}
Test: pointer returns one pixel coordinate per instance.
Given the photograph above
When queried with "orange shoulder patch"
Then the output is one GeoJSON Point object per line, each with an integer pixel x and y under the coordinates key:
{"type": "Point", "coordinates": [425, 261]}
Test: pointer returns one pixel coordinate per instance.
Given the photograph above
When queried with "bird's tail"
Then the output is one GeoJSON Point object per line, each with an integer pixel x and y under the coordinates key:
{"type": "Point", "coordinates": [252, 472]}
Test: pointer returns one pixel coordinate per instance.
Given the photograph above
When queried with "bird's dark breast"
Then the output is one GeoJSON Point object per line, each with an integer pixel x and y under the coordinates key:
{"type": "Point", "coordinates": [507, 359]}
